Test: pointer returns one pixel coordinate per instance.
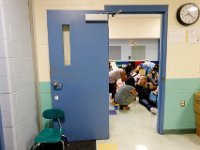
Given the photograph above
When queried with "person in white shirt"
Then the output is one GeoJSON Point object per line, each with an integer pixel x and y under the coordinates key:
{"type": "Point", "coordinates": [116, 74]}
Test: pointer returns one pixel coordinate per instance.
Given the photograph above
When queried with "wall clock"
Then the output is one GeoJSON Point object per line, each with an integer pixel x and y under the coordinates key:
{"type": "Point", "coordinates": [187, 14]}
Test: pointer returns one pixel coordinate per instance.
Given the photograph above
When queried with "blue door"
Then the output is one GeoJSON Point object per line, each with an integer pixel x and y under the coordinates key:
{"type": "Point", "coordinates": [79, 75]}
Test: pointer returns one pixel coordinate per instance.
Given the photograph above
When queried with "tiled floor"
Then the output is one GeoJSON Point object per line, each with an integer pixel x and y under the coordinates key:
{"type": "Point", "coordinates": [136, 130]}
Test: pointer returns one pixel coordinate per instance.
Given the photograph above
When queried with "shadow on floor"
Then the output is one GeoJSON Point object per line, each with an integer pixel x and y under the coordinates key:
{"type": "Point", "coordinates": [82, 145]}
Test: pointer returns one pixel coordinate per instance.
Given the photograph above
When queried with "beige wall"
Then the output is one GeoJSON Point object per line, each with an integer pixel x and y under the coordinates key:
{"type": "Point", "coordinates": [182, 58]}
{"type": "Point", "coordinates": [134, 27]}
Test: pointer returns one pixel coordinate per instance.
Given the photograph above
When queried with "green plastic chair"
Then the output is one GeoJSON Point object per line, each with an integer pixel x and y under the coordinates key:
{"type": "Point", "coordinates": [51, 135]}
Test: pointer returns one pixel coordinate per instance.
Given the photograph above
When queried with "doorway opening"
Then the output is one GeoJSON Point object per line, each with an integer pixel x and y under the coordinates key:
{"type": "Point", "coordinates": [133, 40]}
{"type": "Point", "coordinates": [139, 49]}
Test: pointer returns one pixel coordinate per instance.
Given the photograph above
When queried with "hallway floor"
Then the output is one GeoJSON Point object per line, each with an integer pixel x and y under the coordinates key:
{"type": "Point", "coordinates": [136, 130]}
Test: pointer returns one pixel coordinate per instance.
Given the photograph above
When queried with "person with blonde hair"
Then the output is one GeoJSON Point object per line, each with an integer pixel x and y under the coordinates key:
{"type": "Point", "coordinates": [143, 89]}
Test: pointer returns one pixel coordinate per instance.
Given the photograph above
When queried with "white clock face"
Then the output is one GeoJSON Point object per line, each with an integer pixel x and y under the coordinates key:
{"type": "Point", "coordinates": [189, 13]}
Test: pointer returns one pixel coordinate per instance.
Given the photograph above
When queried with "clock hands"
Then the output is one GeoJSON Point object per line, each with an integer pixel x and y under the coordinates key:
{"type": "Point", "coordinates": [188, 14]}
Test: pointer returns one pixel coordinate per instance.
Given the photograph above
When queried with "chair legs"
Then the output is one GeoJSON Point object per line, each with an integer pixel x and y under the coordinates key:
{"type": "Point", "coordinates": [64, 138]}
{"type": "Point", "coordinates": [63, 144]}
{"type": "Point", "coordinates": [38, 144]}
{"type": "Point", "coordinates": [35, 146]}
{"type": "Point", "coordinates": [62, 141]}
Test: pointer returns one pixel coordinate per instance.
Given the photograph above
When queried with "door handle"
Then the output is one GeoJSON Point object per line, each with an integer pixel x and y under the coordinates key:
{"type": "Point", "coordinates": [57, 85]}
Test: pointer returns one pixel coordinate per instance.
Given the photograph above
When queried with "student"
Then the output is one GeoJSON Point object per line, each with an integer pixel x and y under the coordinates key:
{"type": "Point", "coordinates": [153, 76]}
{"type": "Point", "coordinates": [110, 67]}
{"type": "Point", "coordinates": [116, 74]}
{"type": "Point", "coordinates": [147, 66]}
{"type": "Point", "coordinates": [143, 89]}
{"type": "Point", "coordinates": [126, 94]}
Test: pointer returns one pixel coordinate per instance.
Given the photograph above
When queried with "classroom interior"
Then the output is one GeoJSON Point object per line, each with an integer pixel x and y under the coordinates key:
{"type": "Point", "coordinates": [137, 128]}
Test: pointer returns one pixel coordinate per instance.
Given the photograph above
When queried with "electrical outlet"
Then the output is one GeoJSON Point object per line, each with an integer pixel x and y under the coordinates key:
{"type": "Point", "coordinates": [182, 103]}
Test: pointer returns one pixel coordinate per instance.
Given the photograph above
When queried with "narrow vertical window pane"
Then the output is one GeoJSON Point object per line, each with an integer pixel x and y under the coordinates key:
{"type": "Point", "coordinates": [66, 42]}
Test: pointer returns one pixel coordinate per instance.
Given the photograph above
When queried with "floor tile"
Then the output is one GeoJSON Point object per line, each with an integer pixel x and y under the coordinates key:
{"type": "Point", "coordinates": [109, 146]}
{"type": "Point", "coordinates": [136, 130]}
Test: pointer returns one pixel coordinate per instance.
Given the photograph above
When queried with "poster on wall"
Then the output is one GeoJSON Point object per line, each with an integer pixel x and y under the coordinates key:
{"type": "Point", "coordinates": [194, 36]}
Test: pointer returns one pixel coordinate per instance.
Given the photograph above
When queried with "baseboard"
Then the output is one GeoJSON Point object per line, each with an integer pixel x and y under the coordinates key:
{"type": "Point", "coordinates": [179, 131]}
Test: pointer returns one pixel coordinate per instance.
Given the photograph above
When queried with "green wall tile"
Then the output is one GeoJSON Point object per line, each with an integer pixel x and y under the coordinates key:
{"type": "Point", "coordinates": [45, 87]}
{"type": "Point", "coordinates": [176, 117]}
{"type": "Point", "coordinates": [46, 99]}
{"type": "Point", "coordinates": [185, 83]}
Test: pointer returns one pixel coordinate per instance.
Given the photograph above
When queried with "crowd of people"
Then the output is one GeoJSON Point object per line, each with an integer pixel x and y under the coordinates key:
{"type": "Point", "coordinates": [141, 82]}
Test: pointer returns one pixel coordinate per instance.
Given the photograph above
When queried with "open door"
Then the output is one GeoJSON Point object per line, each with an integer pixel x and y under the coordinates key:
{"type": "Point", "coordinates": [79, 73]}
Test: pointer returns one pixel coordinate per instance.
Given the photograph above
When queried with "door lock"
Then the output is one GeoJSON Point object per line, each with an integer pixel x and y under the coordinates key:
{"type": "Point", "coordinates": [57, 85]}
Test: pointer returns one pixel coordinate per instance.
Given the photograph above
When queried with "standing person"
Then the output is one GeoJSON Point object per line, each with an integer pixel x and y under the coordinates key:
{"type": "Point", "coordinates": [147, 66]}
{"type": "Point", "coordinates": [144, 90]}
{"type": "Point", "coordinates": [116, 74]}
{"type": "Point", "coordinates": [126, 94]}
